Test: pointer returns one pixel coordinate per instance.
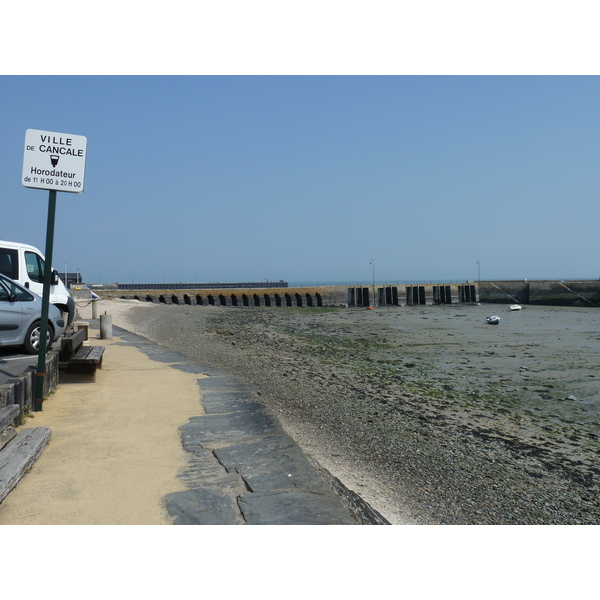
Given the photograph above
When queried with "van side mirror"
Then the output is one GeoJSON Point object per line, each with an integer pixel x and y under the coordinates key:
{"type": "Point", "coordinates": [54, 279]}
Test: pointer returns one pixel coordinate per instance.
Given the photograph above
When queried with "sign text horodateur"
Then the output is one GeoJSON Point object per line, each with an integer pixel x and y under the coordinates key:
{"type": "Point", "coordinates": [53, 172]}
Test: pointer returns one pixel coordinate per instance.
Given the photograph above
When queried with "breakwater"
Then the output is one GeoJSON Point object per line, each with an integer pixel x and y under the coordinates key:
{"type": "Point", "coordinates": [547, 292]}
{"type": "Point", "coordinates": [359, 296]}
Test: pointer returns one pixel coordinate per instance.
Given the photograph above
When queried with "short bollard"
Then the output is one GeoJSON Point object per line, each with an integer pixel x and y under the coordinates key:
{"type": "Point", "coordinates": [94, 308]}
{"type": "Point", "coordinates": [106, 327]}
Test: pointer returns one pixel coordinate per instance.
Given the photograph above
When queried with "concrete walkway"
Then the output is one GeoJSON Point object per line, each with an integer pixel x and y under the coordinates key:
{"type": "Point", "coordinates": [160, 439]}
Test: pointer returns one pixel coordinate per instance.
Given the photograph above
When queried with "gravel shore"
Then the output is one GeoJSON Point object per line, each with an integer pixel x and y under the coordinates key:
{"type": "Point", "coordinates": [428, 413]}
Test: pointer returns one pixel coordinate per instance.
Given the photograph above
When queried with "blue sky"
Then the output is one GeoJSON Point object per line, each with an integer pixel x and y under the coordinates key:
{"type": "Point", "coordinates": [308, 178]}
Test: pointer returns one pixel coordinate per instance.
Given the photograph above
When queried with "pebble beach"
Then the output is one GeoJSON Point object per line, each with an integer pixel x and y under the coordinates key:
{"type": "Point", "coordinates": [430, 414]}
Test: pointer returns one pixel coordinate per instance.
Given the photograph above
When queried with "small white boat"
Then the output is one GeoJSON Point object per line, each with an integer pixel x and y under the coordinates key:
{"type": "Point", "coordinates": [515, 307]}
{"type": "Point", "coordinates": [493, 320]}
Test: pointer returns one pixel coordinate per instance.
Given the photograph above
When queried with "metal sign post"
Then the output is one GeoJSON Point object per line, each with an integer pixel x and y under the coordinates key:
{"type": "Point", "coordinates": [55, 162]}
{"type": "Point", "coordinates": [41, 366]}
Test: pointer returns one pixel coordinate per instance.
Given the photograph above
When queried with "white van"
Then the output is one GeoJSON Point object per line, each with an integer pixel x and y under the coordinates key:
{"type": "Point", "coordinates": [25, 265]}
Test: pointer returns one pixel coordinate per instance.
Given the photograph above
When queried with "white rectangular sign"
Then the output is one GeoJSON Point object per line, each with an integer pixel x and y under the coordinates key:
{"type": "Point", "coordinates": [54, 161]}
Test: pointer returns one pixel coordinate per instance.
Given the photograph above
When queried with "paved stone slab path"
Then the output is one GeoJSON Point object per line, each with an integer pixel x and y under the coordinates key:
{"type": "Point", "coordinates": [243, 467]}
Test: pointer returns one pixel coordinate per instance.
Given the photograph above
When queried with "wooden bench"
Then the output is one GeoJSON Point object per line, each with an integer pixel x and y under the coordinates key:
{"type": "Point", "coordinates": [78, 363]}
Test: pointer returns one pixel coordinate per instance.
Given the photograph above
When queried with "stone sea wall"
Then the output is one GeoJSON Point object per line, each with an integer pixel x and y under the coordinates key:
{"type": "Point", "coordinates": [548, 293]}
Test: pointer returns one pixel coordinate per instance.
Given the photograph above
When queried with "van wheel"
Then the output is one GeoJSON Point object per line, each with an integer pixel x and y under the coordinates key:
{"type": "Point", "coordinates": [33, 337]}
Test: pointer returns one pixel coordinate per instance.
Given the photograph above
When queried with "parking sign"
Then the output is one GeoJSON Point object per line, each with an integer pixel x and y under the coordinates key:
{"type": "Point", "coordinates": [54, 161]}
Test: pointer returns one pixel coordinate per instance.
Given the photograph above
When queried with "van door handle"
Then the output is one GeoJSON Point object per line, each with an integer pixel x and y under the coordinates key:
{"type": "Point", "coordinates": [27, 284]}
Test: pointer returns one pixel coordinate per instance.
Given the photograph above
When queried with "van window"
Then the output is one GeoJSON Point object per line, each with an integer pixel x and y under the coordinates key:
{"type": "Point", "coordinates": [4, 295]}
{"type": "Point", "coordinates": [19, 294]}
{"type": "Point", "coordinates": [9, 264]}
{"type": "Point", "coordinates": [35, 267]}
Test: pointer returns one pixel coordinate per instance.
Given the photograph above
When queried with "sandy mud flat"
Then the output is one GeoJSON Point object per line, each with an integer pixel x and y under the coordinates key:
{"type": "Point", "coordinates": [429, 413]}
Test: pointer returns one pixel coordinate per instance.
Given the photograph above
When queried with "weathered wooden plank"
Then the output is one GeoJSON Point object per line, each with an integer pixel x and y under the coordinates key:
{"type": "Point", "coordinates": [96, 355]}
{"type": "Point", "coordinates": [93, 355]}
{"type": "Point", "coordinates": [8, 415]}
{"type": "Point", "coordinates": [81, 354]}
{"type": "Point", "coordinates": [8, 434]}
{"type": "Point", "coordinates": [17, 457]}
{"type": "Point", "coordinates": [69, 344]}
{"type": "Point", "coordinates": [72, 342]}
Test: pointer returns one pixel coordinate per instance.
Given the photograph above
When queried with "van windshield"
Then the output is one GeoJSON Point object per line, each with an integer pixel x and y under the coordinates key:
{"type": "Point", "coordinates": [35, 267]}
{"type": "Point", "coordinates": [9, 264]}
